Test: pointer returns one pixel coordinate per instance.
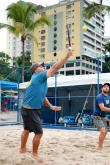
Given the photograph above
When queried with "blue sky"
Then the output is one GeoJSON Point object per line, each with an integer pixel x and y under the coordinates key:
{"type": "Point", "coordinates": [5, 3]}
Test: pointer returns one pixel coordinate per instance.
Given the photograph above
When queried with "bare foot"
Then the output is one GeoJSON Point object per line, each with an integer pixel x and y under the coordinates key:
{"type": "Point", "coordinates": [37, 157]}
{"type": "Point", "coordinates": [100, 148]}
{"type": "Point", "coordinates": [22, 150]}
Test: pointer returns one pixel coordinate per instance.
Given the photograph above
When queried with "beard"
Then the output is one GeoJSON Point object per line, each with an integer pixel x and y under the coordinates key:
{"type": "Point", "coordinates": [106, 92]}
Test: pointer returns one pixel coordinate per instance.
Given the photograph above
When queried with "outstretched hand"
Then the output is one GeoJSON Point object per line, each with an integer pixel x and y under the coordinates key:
{"type": "Point", "coordinates": [55, 108]}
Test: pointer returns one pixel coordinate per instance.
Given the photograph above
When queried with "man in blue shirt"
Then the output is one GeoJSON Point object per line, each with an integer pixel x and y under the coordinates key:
{"type": "Point", "coordinates": [34, 98]}
{"type": "Point", "coordinates": [102, 107]}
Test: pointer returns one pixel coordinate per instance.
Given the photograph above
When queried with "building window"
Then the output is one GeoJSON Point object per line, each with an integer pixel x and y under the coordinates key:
{"type": "Point", "coordinates": [42, 43]}
{"type": "Point", "coordinates": [94, 68]}
{"type": "Point", "coordinates": [77, 72]}
{"type": "Point", "coordinates": [55, 16]}
{"type": "Point", "coordinates": [42, 31]}
{"type": "Point", "coordinates": [42, 37]}
{"type": "Point", "coordinates": [98, 24]}
{"type": "Point", "coordinates": [68, 14]}
{"type": "Point", "coordinates": [77, 63]}
{"type": "Point", "coordinates": [94, 61]}
{"type": "Point", "coordinates": [87, 65]}
{"type": "Point", "coordinates": [55, 41]}
{"type": "Point", "coordinates": [55, 54]}
{"type": "Point", "coordinates": [83, 64]}
{"type": "Point", "coordinates": [55, 22]}
{"type": "Point", "coordinates": [83, 57]}
{"type": "Point", "coordinates": [69, 65]}
{"type": "Point", "coordinates": [43, 50]}
{"type": "Point", "coordinates": [78, 57]}
{"type": "Point", "coordinates": [68, 6]}
{"type": "Point", "coordinates": [62, 72]}
{"type": "Point", "coordinates": [55, 28]}
{"type": "Point", "coordinates": [69, 72]}
{"type": "Point", "coordinates": [98, 36]}
{"type": "Point", "coordinates": [55, 35]}
{"type": "Point", "coordinates": [83, 71]}
{"type": "Point", "coordinates": [42, 55]}
{"type": "Point", "coordinates": [55, 48]}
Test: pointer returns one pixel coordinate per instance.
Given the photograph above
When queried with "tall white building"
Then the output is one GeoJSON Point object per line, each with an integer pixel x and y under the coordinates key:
{"type": "Point", "coordinates": [14, 45]}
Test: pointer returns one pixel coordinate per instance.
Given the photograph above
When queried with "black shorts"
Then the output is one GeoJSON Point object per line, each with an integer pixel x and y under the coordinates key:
{"type": "Point", "coordinates": [31, 120]}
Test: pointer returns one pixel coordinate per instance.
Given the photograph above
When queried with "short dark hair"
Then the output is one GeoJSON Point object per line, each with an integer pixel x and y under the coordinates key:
{"type": "Point", "coordinates": [105, 84]}
{"type": "Point", "coordinates": [35, 66]}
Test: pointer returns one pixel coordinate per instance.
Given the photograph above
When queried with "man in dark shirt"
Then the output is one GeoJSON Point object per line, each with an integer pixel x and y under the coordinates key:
{"type": "Point", "coordinates": [102, 107]}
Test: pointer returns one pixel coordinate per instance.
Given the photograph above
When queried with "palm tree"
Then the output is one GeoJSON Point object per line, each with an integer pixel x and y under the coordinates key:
{"type": "Point", "coordinates": [23, 24]}
{"type": "Point", "coordinates": [94, 8]}
{"type": "Point", "coordinates": [107, 47]}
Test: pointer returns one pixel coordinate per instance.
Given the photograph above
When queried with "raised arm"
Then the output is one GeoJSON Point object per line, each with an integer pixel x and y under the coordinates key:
{"type": "Point", "coordinates": [55, 68]}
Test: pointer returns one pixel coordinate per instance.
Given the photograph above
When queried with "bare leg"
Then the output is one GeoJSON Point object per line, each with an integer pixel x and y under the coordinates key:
{"type": "Point", "coordinates": [24, 137]}
{"type": "Point", "coordinates": [103, 132]}
{"type": "Point", "coordinates": [36, 142]}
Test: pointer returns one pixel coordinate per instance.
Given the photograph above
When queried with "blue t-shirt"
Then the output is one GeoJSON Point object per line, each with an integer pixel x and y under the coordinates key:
{"type": "Point", "coordinates": [101, 99]}
{"type": "Point", "coordinates": [36, 91]}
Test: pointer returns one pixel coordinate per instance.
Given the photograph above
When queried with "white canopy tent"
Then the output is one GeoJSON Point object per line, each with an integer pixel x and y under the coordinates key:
{"type": "Point", "coordinates": [77, 80]}
{"type": "Point", "coordinates": [77, 87]}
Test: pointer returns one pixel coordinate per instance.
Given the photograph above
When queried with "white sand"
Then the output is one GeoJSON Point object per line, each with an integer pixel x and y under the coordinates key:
{"type": "Point", "coordinates": [58, 147]}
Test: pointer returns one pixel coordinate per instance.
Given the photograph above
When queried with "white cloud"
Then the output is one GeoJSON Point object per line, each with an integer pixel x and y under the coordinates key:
{"type": "Point", "coordinates": [3, 17]}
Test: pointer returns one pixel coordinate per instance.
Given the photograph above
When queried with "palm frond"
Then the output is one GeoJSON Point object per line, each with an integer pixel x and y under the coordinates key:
{"type": "Point", "coordinates": [31, 8]}
{"type": "Point", "coordinates": [107, 47]}
{"type": "Point", "coordinates": [19, 28]}
{"type": "Point", "coordinates": [16, 11]}
{"type": "Point", "coordinates": [108, 9]}
{"type": "Point", "coordinates": [29, 13]}
{"type": "Point", "coordinates": [92, 9]}
{"type": "Point", "coordinates": [9, 27]}
{"type": "Point", "coordinates": [42, 20]}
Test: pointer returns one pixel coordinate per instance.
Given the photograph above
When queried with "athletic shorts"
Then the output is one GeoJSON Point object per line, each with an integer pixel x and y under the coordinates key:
{"type": "Point", "coordinates": [100, 122]}
{"type": "Point", "coordinates": [31, 120]}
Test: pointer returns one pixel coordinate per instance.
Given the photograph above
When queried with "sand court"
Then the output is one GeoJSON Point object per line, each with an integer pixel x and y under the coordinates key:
{"type": "Point", "coordinates": [58, 147]}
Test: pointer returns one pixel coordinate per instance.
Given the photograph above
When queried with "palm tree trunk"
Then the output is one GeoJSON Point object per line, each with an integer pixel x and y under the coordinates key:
{"type": "Point", "coordinates": [23, 57]}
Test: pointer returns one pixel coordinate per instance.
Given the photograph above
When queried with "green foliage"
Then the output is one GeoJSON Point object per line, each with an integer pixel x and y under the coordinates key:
{"type": "Point", "coordinates": [18, 60]}
{"type": "Point", "coordinates": [94, 8]}
{"type": "Point", "coordinates": [10, 73]}
{"type": "Point", "coordinates": [23, 23]}
{"type": "Point", "coordinates": [5, 68]}
{"type": "Point", "coordinates": [4, 58]}
{"type": "Point", "coordinates": [27, 64]}
{"type": "Point", "coordinates": [106, 67]}
{"type": "Point", "coordinates": [107, 47]}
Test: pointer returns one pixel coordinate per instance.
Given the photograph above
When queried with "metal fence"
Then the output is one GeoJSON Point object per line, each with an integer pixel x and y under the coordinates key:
{"type": "Point", "coordinates": [77, 103]}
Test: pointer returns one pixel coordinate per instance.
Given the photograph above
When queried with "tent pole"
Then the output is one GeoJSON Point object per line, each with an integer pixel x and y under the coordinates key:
{"type": "Point", "coordinates": [18, 110]}
{"type": "Point", "coordinates": [0, 98]}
